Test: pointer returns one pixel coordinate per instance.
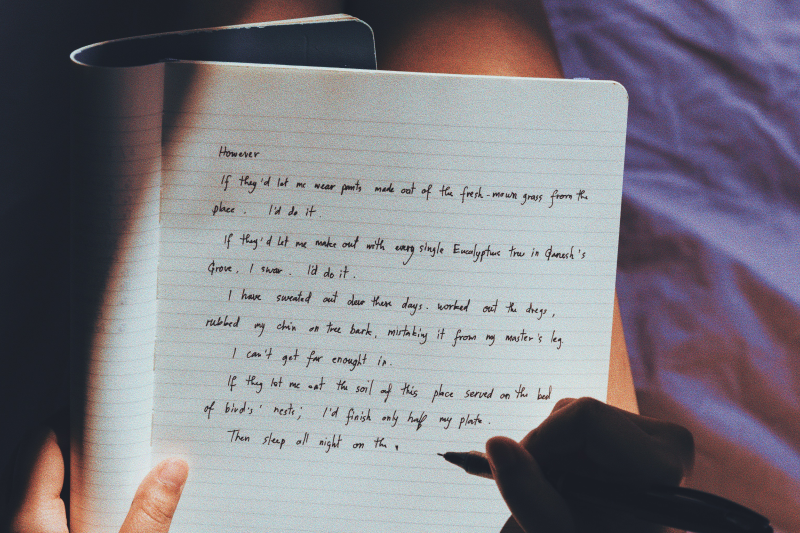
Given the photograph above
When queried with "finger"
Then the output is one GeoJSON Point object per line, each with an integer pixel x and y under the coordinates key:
{"type": "Point", "coordinates": [157, 498]}
{"type": "Point", "coordinates": [617, 442]}
{"type": "Point", "coordinates": [534, 503]}
{"type": "Point", "coordinates": [614, 441]}
{"type": "Point", "coordinates": [563, 402]}
{"type": "Point", "coordinates": [38, 483]}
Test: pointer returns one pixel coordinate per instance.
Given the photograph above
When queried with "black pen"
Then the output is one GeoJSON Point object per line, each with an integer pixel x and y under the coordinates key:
{"type": "Point", "coordinates": [676, 507]}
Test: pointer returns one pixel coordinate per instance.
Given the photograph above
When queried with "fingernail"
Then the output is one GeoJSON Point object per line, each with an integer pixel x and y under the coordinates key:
{"type": "Point", "coordinates": [173, 472]}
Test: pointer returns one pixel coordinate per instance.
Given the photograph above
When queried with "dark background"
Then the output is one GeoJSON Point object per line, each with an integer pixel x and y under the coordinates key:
{"type": "Point", "coordinates": [36, 40]}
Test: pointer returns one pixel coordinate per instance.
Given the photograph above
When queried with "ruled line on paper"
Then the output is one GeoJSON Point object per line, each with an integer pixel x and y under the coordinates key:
{"type": "Point", "coordinates": [239, 115]}
{"type": "Point", "coordinates": [309, 200]}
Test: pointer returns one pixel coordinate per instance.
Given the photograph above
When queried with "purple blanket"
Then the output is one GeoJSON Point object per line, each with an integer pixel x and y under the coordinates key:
{"type": "Point", "coordinates": [709, 265]}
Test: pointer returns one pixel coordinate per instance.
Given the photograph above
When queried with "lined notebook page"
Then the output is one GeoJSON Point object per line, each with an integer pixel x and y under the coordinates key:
{"type": "Point", "coordinates": [116, 159]}
{"type": "Point", "coordinates": [359, 270]}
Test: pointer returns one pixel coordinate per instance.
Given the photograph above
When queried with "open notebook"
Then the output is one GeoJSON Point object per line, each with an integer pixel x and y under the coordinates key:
{"type": "Point", "coordinates": [308, 280]}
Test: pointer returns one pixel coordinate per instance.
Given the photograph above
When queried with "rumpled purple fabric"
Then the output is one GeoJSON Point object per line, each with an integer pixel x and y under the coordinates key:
{"type": "Point", "coordinates": [709, 262]}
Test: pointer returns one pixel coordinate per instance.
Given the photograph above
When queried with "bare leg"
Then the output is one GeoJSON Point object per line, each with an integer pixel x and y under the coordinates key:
{"type": "Point", "coordinates": [509, 38]}
{"type": "Point", "coordinates": [209, 13]}
{"type": "Point", "coordinates": [621, 392]}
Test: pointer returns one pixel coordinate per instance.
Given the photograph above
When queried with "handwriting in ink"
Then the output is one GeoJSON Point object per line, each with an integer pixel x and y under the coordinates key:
{"type": "Point", "coordinates": [220, 207]}
{"type": "Point", "coordinates": [246, 154]}
{"type": "Point", "coordinates": [563, 254]}
{"type": "Point", "coordinates": [478, 255]}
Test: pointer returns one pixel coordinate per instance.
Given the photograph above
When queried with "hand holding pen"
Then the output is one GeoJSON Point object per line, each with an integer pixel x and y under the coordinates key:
{"type": "Point", "coordinates": [589, 438]}
{"type": "Point", "coordinates": [592, 467]}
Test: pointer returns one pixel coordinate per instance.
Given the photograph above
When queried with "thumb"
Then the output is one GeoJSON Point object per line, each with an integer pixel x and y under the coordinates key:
{"type": "Point", "coordinates": [157, 498]}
